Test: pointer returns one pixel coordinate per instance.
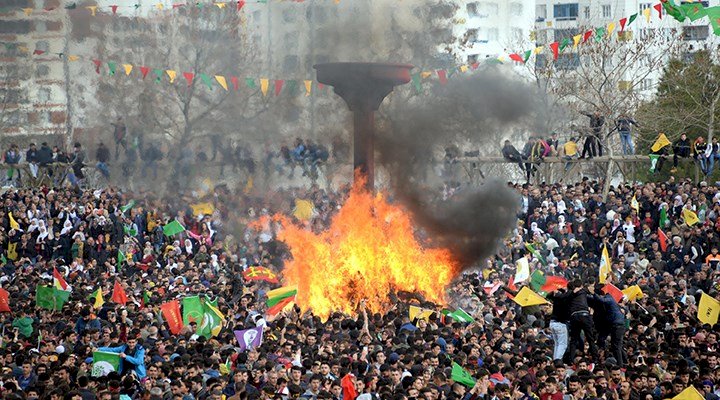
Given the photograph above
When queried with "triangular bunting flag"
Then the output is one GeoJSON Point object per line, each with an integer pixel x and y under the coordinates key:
{"type": "Point", "coordinates": [646, 13]}
{"type": "Point", "coordinates": [576, 40]}
{"type": "Point", "coordinates": [587, 35]}
{"type": "Point", "coordinates": [555, 47]}
{"type": "Point", "coordinates": [158, 75]}
{"type": "Point", "coordinates": [128, 68]}
{"type": "Point", "coordinates": [659, 8]}
{"type": "Point", "coordinates": [27, 11]}
{"type": "Point", "coordinates": [623, 22]}
{"type": "Point", "coordinates": [417, 82]}
{"type": "Point", "coordinates": [308, 87]}
{"type": "Point", "coordinates": [264, 85]}
{"type": "Point", "coordinates": [111, 68]}
{"type": "Point", "coordinates": [278, 86]}
{"type": "Point", "coordinates": [93, 10]}
{"type": "Point", "coordinates": [250, 82]}
{"type": "Point", "coordinates": [220, 5]}
{"type": "Point", "coordinates": [240, 5]}
{"type": "Point", "coordinates": [189, 76]}
{"type": "Point", "coordinates": [159, 6]}
{"type": "Point", "coordinates": [221, 80]}
{"type": "Point", "coordinates": [144, 71]}
{"type": "Point", "coordinates": [442, 74]}
{"type": "Point", "coordinates": [516, 57]}
{"type": "Point", "coordinates": [528, 53]}
{"type": "Point", "coordinates": [97, 63]}
{"type": "Point", "coordinates": [72, 58]}
{"type": "Point", "coordinates": [206, 79]}
{"type": "Point", "coordinates": [632, 19]}
{"type": "Point", "coordinates": [610, 28]}
{"type": "Point", "coordinates": [114, 9]}
{"type": "Point", "coordinates": [235, 82]}
{"type": "Point", "coordinates": [171, 74]}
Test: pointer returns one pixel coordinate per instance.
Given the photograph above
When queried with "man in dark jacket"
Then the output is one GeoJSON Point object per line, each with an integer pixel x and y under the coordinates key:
{"type": "Point", "coordinates": [510, 153]}
{"type": "Point", "coordinates": [624, 126]}
{"type": "Point", "coordinates": [580, 319]}
{"type": "Point", "coordinates": [32, 157]}
{"type": "Point", "coordinates": [592, 145]}
{"type": "Point", "coordinates": [45, 155]}
{"type": "Point", "coordinates": [102, 155]}
{"type": "Point", "coordinates": [613, 320]}
{"type": "Point", "coordinates": [559, 319]}
{"type": "Point", "coordinates": [681, 148]}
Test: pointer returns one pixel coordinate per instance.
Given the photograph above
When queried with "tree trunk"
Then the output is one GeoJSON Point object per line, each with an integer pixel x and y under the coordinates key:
{"type": "Point", "coordinates": [711, 120]}
{"type": "Point", "coordinates": [609, 171]}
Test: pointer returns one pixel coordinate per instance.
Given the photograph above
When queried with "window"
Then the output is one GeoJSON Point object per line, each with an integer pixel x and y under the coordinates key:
{"type": "Point", "coordinates": [472, 9]}
{"type": "Point", "coordinates": [489, 9]}
{"type": "Point", "coordinates": [646, 84]}
{"type": "Point", "coordinates": [567, 61]}
{"type": "Point", "coordinates": [565, 11]}
{"type": "Point", "coordinates": [492, 34]}
{"type": "Point", "coordinates": [290, 41]}
{"type": "Point", "coordinates": [288, 15]}
{"type": "Point", "coordinates": [695, 32]}
{"type": "Point", "coordinates": [561, 34]}
{"type": "Point", "coordinates": [586, 12]}
{"type": "Point", "coordinates": [606, 11]}
{"type": "Point", "coordinates": [644, 6]}
{"type": "Point", "coordinates": [516, 9]}
{"type": "Point", "coordinates": [541, 12]}
{"type": "Point", "coordinates": [43, 95]}
{"type": "Point", "coordinates": [42, 45]}
{"type": "Point", "coordinates": [42, 71]}
{"type": "Point", "coordinates": [290, 64]}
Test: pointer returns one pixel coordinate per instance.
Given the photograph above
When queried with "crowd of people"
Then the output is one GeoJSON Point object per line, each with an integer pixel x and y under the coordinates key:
{"type": "Point", "coordinates": [657, 347]}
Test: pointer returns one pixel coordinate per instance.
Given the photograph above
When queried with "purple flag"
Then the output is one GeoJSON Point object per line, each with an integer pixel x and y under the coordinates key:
{"type": "Point", "coordinates": [249, 338]}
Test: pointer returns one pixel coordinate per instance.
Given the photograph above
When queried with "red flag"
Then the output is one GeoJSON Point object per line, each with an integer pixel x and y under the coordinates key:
{"type": "Point", "coordinates": [348, 387]}
{"type": "Point", "coordinates": [475, 65]}
{"type": "Point", "coordinates": [144, 71]}
{"type": "Point", "coordinates": [555, 46]}
{"type": "Point", "coordinates": [663, 239]}
{"type": "Point", "coordinates": [658, 7]}
{"type": "Point", "coordinates": [587, 36]}
{"type": "Point", "coordinates": [320, 86]}
{"type": "Point", "coordinates": [4, 302]}
{"type": "Point", "coordinates": [490, 289]}
{"type": "Point", "coordinates": [189, 76]}
{"type": "Point", "coordinates": [114, 9]}
{"type": "Point", "coordinates": [623, 22]}
{"type": "Point", "coordinates": [58, 280]}
{"type": "Point", "coordinates": [442, 75]}
{"type": "Point", "coordinates": [39, 52]}
{"type": "Point", "coordinates": [553, 283]}
{"type": "Point", "coordinates": [178, 5]}
{"type": "Point", "coordinates": [613, 291]}
{"type": "Point", "coordinates": [235, 82]}
{"type": "Point", "coordinates": [278, 86]}
{"type": "Point", "coordinates": [260, 274]}
{"type": "Point", "coordinates": [119, 295]}
{"type": "Point", "coordinates": [240, 4]}
{"type": "Point", "coordinates": [97, 63]}
{"type": "Point", "coordinates": [511, 286]}
{"type": "Point", "coordinates": [173, 317]}
{"type": "Point", "coordinates": [517, 57]}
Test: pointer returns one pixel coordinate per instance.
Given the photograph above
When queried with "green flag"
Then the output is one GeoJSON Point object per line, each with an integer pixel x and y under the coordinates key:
{"type": "Point", "coordinates": [537, 280]}
{"type": "Point", "coordinates": [713, 14]}
{"type": "Point", "coordinates": [127, 206]}
{"type": "Point", "coordinates": [120, 258]}
{"type": "Point", "coordinates": [417, 82]}
{"type": "Point", "coordinates": [653, 161]}
{"type": "Point", "coordinates": [599, 34]}
{"type": "Point", "coordinates": [250, 82]}
{"type": "Point", "coordinates": [461, 316]}
{"type": "Point", "coordinates": [663, 218]}
{"type": "Point", "coordinates": [564, 43]}
{"type": "Point", "coordinates": [193, 310]}
{"type": "Point", "coordinates": [50, 298]}
{"type": "Point", "coordinates": [129, 230]}
{"type": "Point", "coordinates": [159, 74]}
{"type": "Point", "coordinates": [24, 325]}
{"type": "Point", "coordinates": [206, 79]}
{"type": "Point", "coordinates": [111, 68]}
{"type": "Point", "coordinates": [460, 375]}
{"type": "Point", "coordinates": [528, 53]}
{"type": "Point", "coordinates": [673, 10]}
{"type": "Point", "coordinates": [173, 228]}
{"type": "Point", "coordinates": [694, 11]}
{"type": "Point", "coordinates": [531, 249]}
{"type": "Point", "coordinates": [632, 19]}
{"type": "Point", "coordinates": [211, 320]}
{"type": "Point", "coordinates": [105, 363]}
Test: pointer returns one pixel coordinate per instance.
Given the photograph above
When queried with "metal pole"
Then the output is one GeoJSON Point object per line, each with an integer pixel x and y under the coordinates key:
{"type": "Point", "coordinates": [363, 146]}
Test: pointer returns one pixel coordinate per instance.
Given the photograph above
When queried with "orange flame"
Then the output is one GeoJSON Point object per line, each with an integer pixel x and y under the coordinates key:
{"type": "Point", "coordinates": [368, 251]}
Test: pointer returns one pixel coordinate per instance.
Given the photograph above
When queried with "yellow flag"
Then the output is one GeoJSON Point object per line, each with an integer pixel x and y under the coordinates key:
{"type": "Point", "coordinates": [303, 209]}
{"type": "Point", "coordinates": [172, 74]}
{"type": "Point", "coordinates": [220, 5]}
{"type": "Point", "coordinates": [205, 208]}
{"type": "Point", "coordinates": [93, 10]}
{"type": "Point", "coordinates": [708, 309]}
{"type": "Point", "coordinates": [604, 266]}
{"type": "Point", "coordinates": [576, 40]}
{"type": "Point", "coordinates": [419, 313]}
{"type": "Point", "coordinates": [611, 28]}
{"type": "Point", "coordinates": [633, 292]}
{"type": "Point", "coordinates": [13, 224]}
{"type": "Point", "coordinates": [634, 204]}
{"type": "Point", "coordinates": [73, 58]}
{"type": "Point", "coordinates": [308, 88]}
{"type": "Point", "coordinates": [249, 185]}
{"type": "Point", "coordinates": [690, 393]}
{"type": "Point", "coordinates": [264, 84]}
{"type": "Point", "coordinates": [28, 11]}
{"type": "Point", "coordinates": [690, 217]}
{"type": "Point", "coordinates": [12, 251]}
{"type": "Point", "coordinates": [486, 273]}
{"type": "Point", "coordinates": [128, 68]}
{"type": "Point", "coordinates": [425, 74]}
{"type": "Point", "coordinates": [463, 68]}
{"type": "Point", "coordinates": [660, 142]}
{"type": "Point", "coordinates": [159, 6]}
{"type": "Point", "coordinates": [527, 297]}
{"type": "Point", "coordinates": [221, 80]}
{"type": "Point", "coordinates": [646, 13]}
{"type": "Point", "coordinates": [539, 49]}
{"type": "Point", "coordinates": [98, 299]}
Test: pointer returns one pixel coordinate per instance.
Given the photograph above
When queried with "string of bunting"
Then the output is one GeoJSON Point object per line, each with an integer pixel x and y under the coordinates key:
{"type": "Point", "coordinates": [692, 11]}
{"type": "Point", "coordinates": [93, 10]}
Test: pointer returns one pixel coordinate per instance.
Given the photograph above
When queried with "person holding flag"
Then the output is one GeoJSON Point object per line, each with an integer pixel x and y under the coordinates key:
{"type": "Point", "coordinates": [132, 356]}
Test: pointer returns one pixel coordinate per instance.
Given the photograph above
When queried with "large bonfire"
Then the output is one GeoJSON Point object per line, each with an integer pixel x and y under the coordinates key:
{"type": "Point", "coordinates": [369, 251]}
